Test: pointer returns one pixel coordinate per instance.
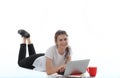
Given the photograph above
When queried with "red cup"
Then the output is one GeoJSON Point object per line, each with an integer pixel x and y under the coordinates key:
{"type": "Point", "coordinates": [92, 71]}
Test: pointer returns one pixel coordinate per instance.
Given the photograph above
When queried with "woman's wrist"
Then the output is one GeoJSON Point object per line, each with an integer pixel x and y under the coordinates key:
{"type": "Point", "coordinates": [57, 69]}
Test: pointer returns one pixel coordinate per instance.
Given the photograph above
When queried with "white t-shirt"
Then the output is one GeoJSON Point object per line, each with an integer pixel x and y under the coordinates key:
{"type": "Point", "coordinates": [52, 53]}
{"type": "Point", "coordinates": [40, 64]}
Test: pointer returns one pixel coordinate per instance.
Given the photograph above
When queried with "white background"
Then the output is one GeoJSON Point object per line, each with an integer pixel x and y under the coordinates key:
{"type": "Point", "coordinates": [93, 27]}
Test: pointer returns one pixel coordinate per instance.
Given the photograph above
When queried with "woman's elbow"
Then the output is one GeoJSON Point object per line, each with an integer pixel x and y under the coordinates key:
{"type": "Point", "coordinates": [48, 72]}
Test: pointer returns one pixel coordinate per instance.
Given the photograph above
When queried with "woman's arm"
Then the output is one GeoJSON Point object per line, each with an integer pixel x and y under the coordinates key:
{"type": "Point", "coordinates": [49, 67]}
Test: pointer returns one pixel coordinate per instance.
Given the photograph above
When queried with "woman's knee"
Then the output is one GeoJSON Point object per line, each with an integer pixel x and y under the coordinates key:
{"type": "Point", "coordinates": [19, 64]}
{"type": "Point", "coordinates": [25, 65]}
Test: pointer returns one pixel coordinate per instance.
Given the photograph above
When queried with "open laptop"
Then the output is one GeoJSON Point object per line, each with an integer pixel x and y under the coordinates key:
{"type": "Point", "coordinates": [76, 67]}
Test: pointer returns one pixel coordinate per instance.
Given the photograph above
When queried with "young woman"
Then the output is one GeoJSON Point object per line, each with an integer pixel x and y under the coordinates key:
{"type": "Point", "coordinates": [53, 61]}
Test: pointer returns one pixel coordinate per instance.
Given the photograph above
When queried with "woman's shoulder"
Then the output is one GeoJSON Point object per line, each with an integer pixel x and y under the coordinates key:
{"type": "Point", "coordinates": [69, 47]}
{"type": "Point", "coordinates": [50, 51]}
{"type": "Point", "coordinates": [52, 48]}
{"type": "Point", "coordinates": [70, 50]}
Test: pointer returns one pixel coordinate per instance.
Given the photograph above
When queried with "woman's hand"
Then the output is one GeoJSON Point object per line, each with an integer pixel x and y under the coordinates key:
{"type": "Point", "coordinates": [61, 68]}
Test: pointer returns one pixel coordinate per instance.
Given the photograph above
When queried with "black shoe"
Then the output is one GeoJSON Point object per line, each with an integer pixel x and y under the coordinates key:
{"type": "Point", "coordinates": [24, 33]}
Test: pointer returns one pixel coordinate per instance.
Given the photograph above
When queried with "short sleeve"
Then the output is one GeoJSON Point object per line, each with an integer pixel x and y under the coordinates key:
{"type": "Point", "coordinates": [49, 53]}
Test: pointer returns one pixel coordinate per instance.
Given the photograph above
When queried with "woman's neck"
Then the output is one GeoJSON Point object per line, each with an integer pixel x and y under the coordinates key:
{"type": "Point", "coordinates": [61, 50]}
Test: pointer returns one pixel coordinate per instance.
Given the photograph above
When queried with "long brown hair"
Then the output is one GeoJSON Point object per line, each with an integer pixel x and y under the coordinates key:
{"type": "Point", "coordinates": [59, 32]}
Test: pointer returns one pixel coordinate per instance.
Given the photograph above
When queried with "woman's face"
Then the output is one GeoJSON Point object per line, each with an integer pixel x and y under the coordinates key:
{"type": "Point", "coordinates": [62, 41]}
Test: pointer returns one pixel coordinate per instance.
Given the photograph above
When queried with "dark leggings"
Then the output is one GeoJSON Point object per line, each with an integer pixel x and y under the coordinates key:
{"type": "Point", "coordinates": [26, 62]}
